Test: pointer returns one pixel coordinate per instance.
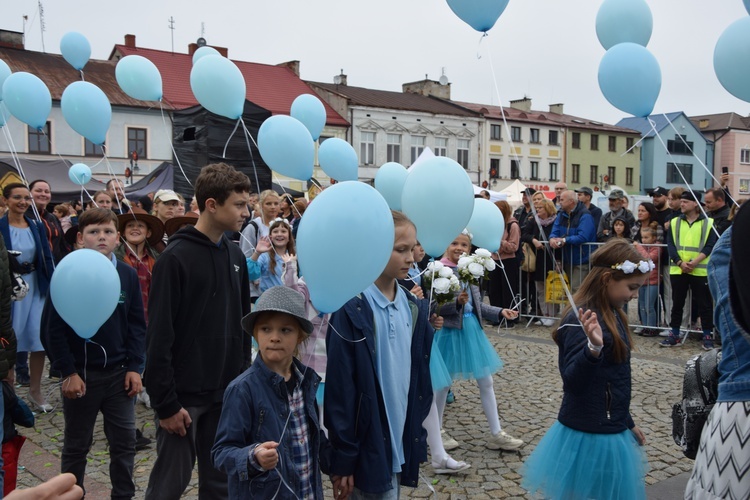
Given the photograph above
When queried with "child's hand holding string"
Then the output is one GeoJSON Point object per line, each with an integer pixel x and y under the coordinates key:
{"type": "Point", "coordinates": [266, 455]}
{"type": "Point", "coordinates": [593, 330]}
{"type": "Point", "coordinates": [417, 291]}
{"type": "Point", "coordinates": [436, 322]}
{"type": "Point", "coordinates": [509, 314]}
{"type": "Point", "coordinates": [463, 298]}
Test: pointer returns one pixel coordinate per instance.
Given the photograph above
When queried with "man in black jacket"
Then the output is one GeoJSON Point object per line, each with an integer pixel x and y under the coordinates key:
{"type": "Point", "coordinates": [717, 209]}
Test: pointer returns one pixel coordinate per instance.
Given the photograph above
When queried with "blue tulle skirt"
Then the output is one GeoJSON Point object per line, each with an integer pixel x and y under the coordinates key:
{"type": "Point", "coordinates": [467, 352]}
{"type": "Point", "coordinates": [570, 464]}
{"type": "Point", "coordinates": [441, 377]}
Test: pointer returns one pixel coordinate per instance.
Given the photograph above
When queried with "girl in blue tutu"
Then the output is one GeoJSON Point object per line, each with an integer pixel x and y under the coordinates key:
{"type": "Point", "coordinates": [466, 351]}
{"type": "Point", "coordinates": [594, 450]}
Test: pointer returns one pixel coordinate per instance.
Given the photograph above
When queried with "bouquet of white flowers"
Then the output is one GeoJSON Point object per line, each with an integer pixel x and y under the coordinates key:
{"type": "Point", "coordinates": [441, 281]}
{"type": "Point", "coordinates": [472, 268]}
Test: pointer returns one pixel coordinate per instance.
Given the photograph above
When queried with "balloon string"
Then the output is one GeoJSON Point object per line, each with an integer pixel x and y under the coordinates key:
{"type": "Point", "coordinates": [112, 176]}
{"type": "Point", "coordinates": [479, 45]}
{"type": "Point", "coordinates": [171, 145]}
{"type": "Point", "coordinates": [237, 124]}
{"type": "Point", "coordinates": [82, 78]}
{"type": "Point", "coordinates": [248, 136]}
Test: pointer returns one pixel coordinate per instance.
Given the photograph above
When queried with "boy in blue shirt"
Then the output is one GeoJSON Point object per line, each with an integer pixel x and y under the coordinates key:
{"type": "Point", "coordinates": [378, 387]}
{"type": "Point", "coordinates": [102, 375]}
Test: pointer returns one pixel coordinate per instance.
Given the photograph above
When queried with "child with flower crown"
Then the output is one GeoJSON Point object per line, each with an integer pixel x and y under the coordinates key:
{"type": "Point", "coordinates": [465, 348]}
{"type": "Point", "coordinates": [271, 263]}
{"type": "Point", "coordinates": [594, 450]}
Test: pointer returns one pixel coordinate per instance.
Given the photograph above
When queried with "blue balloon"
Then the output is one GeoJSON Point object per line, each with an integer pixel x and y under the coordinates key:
{"type": "Point", "coordinates": [79, 174]}
{"type": "Point", "coordinates": [351, 216]}
{"type": "Point", "coordinates": [486, 225]}
{"type": "Point", "coordinates": [85, 289]}
{"type": "Point", "coordinates": [620, 21]}
{"type": "Point", "coordinates": [219, 86]}
{"type": "Point", "coordinates": [338, 159]}
{"type": "Point", "coordinates": [27, 98]}
{"type": "Point", "coordinates": [287, 147]}
{"type": "Point", "coordinates": [4, 73]}
{"type": "Point", "coordinates": [630, 78]}
{"type": "Point", "coordinates": [205, 51]}
{"type": "Point", "coordinates": [389, 181]}
{"type": "Point", "coordinates": [310, 111]}
{"type": "Point", "coordinates": [75, 48]}
{"type": "Point", "coordinates": [731, 57]}
{"type": "Point", "coordinates": [139, 78]}
{"type": "Point", "coordinates": [439, 198]}
{"type": "Point", "coordinates": [87, 111]}
{"type": "Point", "coordinates": [4, 115]}
{"type": "Point", "coordinates": [747, 5]}
{"type": "Point", "coordinates": [479, 14]}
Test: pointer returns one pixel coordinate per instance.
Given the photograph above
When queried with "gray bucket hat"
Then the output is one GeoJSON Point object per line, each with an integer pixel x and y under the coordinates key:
{"type": "Point", "coordinates": [279, 299]}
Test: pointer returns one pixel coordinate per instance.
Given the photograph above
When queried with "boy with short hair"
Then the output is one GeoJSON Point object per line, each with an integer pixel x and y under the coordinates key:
{"type": "Point", "coordinates": [378, 387]}
{"type": "Point", "coordinates": [102, 375]}
{"type": "Point", "coordinates": [250, 438]}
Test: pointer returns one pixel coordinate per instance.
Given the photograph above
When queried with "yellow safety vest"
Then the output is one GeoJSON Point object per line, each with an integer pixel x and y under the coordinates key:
{"type": "Point", "coordinates": [689, 241]}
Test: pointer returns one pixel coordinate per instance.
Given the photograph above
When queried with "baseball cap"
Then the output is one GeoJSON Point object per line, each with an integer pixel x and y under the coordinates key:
{"type": "Point", "coordinates": [586, 190]}
{"type": "Point", "coordinates": [659, 191]}
{"type": "Point", "coordinates": [616, 194]}
{"type": "Point", "coordinates": [165, 195]}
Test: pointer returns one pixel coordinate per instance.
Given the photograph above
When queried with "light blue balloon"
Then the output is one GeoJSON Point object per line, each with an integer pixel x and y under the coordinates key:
{"type": "Point", "coordinates": [79, 174]}
{"type": "Point", "coordinates": [310, 111]}
{"type": "Point", "coordinates": [75, 48]}
{"type": "Point", "coordinates": [4, 73]}
{"type": "Point", "coordinates": [219, 86]}
{"type": "Point", "coordinates": [344, 242]}
{"type": "Point", "coordinates": [85, 289]}
{"type": "Point", "coordinates": [287, 147]}
{"type": "Point", "coordinates": [139, 78]}
{"type": "Point", "coordinates": [439, 198]}
{"type": "Point", "coordinates": [27, 98]}
{"type": "Point", "coordinates": [731, 57]}
{"type": "Point", "coordinates": [486, 225]}
{"type": "Point", "coordinates": [630, 78]}
{"type": "Point", "coordinates": [747, 5]}
{"type": "Point", "coordinates": [620, 21]}
{"type": "Point", "coordinates": [4, 115]}
{"type": "Point", "coordinates": [338, 159]}
{"type": "Point", "coordinates": [389, 181]}
{"type": "Point", "coordinates": [205, 51]}
{"type": "Point", "coordinates": [87, 110]}
{"type": "Point", "coordinates": [479, 14]}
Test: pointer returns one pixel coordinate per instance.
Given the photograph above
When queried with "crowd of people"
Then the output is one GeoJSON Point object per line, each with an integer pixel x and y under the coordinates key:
{"type": "Point", "coordinates": [215, 330]}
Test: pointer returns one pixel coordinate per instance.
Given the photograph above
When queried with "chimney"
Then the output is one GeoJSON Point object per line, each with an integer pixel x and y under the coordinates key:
{"type": "Point", "coordinates": [194, 46]}
{"type": "Point", "coordinates": [340, 79]}
{"type": "Point", "coordinates": [292, 65]}
{"type": "Point", "coordinates": [521, 104]}
{"type": "Point", "coordinates": [11, 39]}
{"type": "Point", "coordinates": [130, 41]}
{"type": "Point", "coordinates": [428, 88]}
{"type": "Point", "coordinates": [556, 108]}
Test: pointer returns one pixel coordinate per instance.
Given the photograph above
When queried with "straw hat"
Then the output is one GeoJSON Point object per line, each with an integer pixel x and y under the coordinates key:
{"type": "Point", "coordinates": [175, 223]}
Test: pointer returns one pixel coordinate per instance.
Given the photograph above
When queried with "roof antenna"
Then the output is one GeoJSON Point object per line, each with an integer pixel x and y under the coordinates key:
{"type": "Point", "coordinates": [171, 27]}
{"type": "Point", "coordinates": [42, 27]}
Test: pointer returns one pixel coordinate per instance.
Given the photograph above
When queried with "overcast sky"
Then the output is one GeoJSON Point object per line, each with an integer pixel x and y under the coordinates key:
{"type": "Point", "coordinates": [544, 49]}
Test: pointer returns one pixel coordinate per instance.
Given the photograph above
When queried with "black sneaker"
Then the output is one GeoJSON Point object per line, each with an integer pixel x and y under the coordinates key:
{"type": "Point", "coordinates": [708, 343]}
{"type": "Point", "coordinates": [141, 441]}
{"type": "Point", "coordinates": [23, 379]}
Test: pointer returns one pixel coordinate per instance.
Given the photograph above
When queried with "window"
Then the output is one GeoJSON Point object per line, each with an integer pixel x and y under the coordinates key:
{"type": "Point", "coordinates": [515, 169]}
{"type": "Point", "coordinates": [745, 156]}
{"type": "Point", "coordinates": [628, 176]}
{"type": "Point", "coordinates": [594, 174]}
{"type": "Point", "coordinates": [629, 142]}
{"type": "Point", "coordinates": [553, 138]}
{"type": "Point", "coordinates": [612, 143]}
{"type": "Point", "coordinates": [680, 145]}
{"type": "Point", "coordinates": [441, 146]}
{"type": "Point", "coordinates": [612, 175]}
{"type": "Point", "coordinates": [463, 152]}
{"type": "Point", "coordinates": [393, 148]}
{"type": "Point", "coordinates": [744, 186]}
{"type": "Point", "coordinates": [673, 174]}
{"type": "Point", "coordinates": [417, 146]}
{"type": "Point", "coordinates": [91, 149]}
{"type": "Point", "coordinates": [494, 168]}
{"type": "Point", "coordinates": [535, 170]}
{"type": "Point", "coordinates": [576, 140]}
{"type": "Point", "coordinates": [515, 134]}
{"type": "Point", "coordinates": [496, 132]}
{"type": "Point", "coordinates": [137, 142]}
{"type": "Point", "coordinates": [553, 172]}
{"type": "Point", "coordinates": [594, 142]}
{"type": "Point", "coordinates": [534, 135]}
{"type": "Point", "coordinates": [39, 140]}
{"type": "Point", "coordinates": [367, 148]}
{"type": "Point", "coordinates": [576, 174]}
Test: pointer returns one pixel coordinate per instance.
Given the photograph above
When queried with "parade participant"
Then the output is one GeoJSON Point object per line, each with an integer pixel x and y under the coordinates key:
{"type": "Point", "coordinates": [467, 352]}
{"type": "Point", "coordinates": [259, 227]}
{"type": "Point", "coordinates": [7, 345]}
{"type": "Point", "coordinates": [101, 375]}
{"type": "Point", "coordinates": [116, 191]}
{"type": "Point", "coordinates": [195, 344]}
{"type": "Point", "coordinates": [101, 199]}
{"type": "Point", "coordinates": [166, 202]}
{"type": "Point", "coordinates": [272, 262]}
{"type": "Point", "coordinates": [378, 386]}
{"type": "Point", "coordinates": [593, 451]}
{"type": "Point", "coordinates": [42, 195]}
{"type": "Point", "coordinates": [286, 207]}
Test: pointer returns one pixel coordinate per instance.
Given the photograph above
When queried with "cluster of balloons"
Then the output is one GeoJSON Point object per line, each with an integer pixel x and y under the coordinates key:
{"type": "Point", "coordinates": [731, 54]}
{"type": "Point", "coordinates": [629, 75]}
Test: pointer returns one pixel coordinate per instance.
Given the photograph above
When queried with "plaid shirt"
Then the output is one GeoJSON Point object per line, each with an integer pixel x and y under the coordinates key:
{"type": "Point", "coordinates": [299, 438]}
{"type": "Point", "coordinates": [144, 268]}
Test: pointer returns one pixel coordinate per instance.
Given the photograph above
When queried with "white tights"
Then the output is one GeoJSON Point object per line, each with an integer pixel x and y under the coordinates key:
{"type": "Point", "coordinates": [489, 403]}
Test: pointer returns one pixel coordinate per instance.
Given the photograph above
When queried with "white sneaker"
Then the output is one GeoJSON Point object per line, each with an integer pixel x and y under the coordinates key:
{"type": "Point", "coordinates": [144, 398]}
{"type": "Point", "coordinates": [548, 322]}
{"type": "Point", "coordinates": [448, 442]}
{"type": "Point", "coordinates": [664, 333]}
{"type": "Point", "coordinates": [503, 441]}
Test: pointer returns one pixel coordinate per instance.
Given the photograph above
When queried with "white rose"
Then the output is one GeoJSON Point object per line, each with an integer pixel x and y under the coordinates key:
{"type": "Point", "coordinates": [476, 269]}
{"type": "Point", "coordinates": [446, 272]}
{"type": "Point", "coordinates": [464, 261]}
{"type": "Point", "coordinates": [483, 252]}
{"type": "Point", "coordinates": [441, 285]}
{"type": "Point", "coordinates": [627, 267]}
{"type": "Point", "coordinates": [435, 265]}
{"type": "Point", "coordinates": [644, 266]}
{"type": "Point", "coordinates": [489, 264]}
{"type": "Point", "coordinates": [454, 280]}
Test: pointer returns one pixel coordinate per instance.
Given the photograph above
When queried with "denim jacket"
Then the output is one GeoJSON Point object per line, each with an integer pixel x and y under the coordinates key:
{"type": "Point", "coordinates": [256, 408]}
{"type": "Point", "coordinates": [734, 368]}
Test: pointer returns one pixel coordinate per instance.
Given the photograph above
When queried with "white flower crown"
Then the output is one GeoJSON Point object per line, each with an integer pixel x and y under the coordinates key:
{"type": "Point", "coordinates": [466, 232]}
{"type": "Point", "coordinates": [627, 267]}
{"type": "Point", "coordinates": [280, 219]}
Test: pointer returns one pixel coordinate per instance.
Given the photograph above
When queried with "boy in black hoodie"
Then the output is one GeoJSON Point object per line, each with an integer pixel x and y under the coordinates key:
{"type": "Point", "coordinates": [200, 291]}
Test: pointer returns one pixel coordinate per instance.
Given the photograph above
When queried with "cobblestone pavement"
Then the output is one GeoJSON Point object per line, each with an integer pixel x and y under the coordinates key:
{"type": "Point", "coordinates": [528, 391]}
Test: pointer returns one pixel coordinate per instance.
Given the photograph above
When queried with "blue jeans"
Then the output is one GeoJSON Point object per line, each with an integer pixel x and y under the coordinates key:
{"type": "Point", "coordinates": [393, 494]}
{"type": "Point", "coordinates": [105, 393]}
{"type": "Point", "coordinates": [648, 296]}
